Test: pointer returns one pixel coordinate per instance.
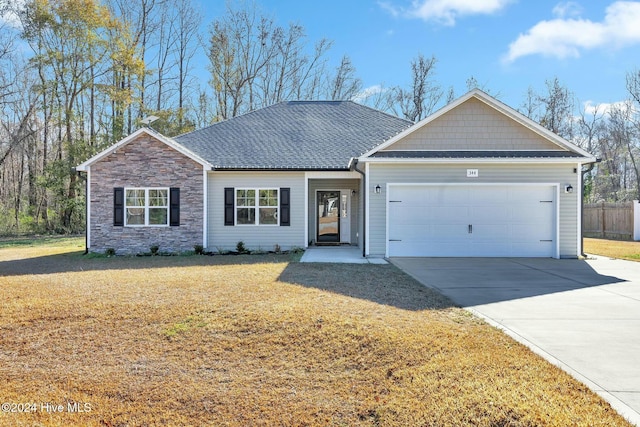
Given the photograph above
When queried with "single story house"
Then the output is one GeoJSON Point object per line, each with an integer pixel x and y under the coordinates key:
{"type": "Point", "coordinates": [474, 179]}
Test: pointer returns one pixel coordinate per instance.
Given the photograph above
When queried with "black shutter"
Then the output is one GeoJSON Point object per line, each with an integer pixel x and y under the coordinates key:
{"type": "Point", "coordinates": [229, 197]}
{"type": "Point", "coordinates": [118, 207]}
{"type": "Point", "coordinates": [174, 207]}
{"type": "Point", "coordinates": [285, 207]}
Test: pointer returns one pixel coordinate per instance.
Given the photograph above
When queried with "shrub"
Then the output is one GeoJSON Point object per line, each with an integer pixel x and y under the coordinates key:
{"type": "Point", "coordinates": [154, 249]}
{"type": "Point", "coordinates": [110, 252]}
{"type": "Point", "coordinates": [240, 248]}
{"type": "Point", "coordinates": [198, 249]}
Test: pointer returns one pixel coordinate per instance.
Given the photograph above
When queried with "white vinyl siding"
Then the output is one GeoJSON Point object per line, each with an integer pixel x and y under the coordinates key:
{"type": "Point", "coordinates": [221, 237]}
{"type": "Point", "coordinates": [560, 174]}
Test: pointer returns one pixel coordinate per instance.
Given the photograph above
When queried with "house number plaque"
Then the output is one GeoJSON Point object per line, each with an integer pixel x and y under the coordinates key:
{"type": "Point", "coordinates": [472, 173]}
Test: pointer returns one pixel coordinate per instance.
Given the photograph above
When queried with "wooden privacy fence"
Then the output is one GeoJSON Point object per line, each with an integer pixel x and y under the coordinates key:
{"type": "Point", "coordinates": [609, 220]}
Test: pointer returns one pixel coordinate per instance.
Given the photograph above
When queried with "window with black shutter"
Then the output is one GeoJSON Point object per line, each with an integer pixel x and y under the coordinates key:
{"type": "Point", "coordinates": [174, 207]}
{"type": "Point", "coordinates": [229, 196]}
{"type": "Point", "coordinates": [285, 207]}
{"type": "Point", "coordinates": [118, 207]}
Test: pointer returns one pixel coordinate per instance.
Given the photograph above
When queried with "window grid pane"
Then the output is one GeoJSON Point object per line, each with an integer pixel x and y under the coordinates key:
{"type": "Point", "coordinates": [158, 198]}
{"type": "Point", "coordinates": [135, 198]}
{"type": "Point", "coordinates": [158, 216]}
{"type": "Point", "coordinates": [269, 216]}
{"type": "Point", "coordinates": [246, 216]}
{"type": "Point", "coordinates": [268, 197]}
{"type": "Point", "coordinates": [245, 198]}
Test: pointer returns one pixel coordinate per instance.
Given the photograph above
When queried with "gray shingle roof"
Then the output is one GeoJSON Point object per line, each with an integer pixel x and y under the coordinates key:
{"type": "Point", "coordinates": [294, 135]}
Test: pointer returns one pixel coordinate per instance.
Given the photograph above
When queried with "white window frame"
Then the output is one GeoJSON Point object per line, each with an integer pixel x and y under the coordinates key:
{"type": "Point", "coordinates": [256, 206]}
{"type": "Point", "coordinates": [146, 206]}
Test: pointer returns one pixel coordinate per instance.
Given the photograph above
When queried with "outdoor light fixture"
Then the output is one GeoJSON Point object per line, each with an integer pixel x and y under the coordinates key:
{"type": "Point", "coordinates": [568, 189]}
{"type": "Point", "coordinates": [353, 193]}
{"type": "Point", "coordinates": [378, 189]}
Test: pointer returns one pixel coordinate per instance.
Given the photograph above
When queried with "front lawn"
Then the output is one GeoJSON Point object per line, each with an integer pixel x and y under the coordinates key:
{"type": "Point", "coordinates": [258, 340]}
{"type": "Point", "coordinates": [613, 248]}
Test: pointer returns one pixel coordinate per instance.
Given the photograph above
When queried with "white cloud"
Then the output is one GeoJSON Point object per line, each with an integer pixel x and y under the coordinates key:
{"type": "Point", "coordinates": [591, 108]}
{"type": "Point", "coordinates": [566, 9]}
{"type": "Point", "coordinates": [10, 17]}
{"type": "Point", "coordinates": [568, 37]}
{"type": "Point", "coordinates": [369, 92]}
{"type": "Point", "coordinates": [445, 12]}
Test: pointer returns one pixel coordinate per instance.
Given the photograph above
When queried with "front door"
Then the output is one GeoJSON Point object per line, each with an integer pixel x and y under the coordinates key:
{"type": "Point", "coordinates": [328, 217]}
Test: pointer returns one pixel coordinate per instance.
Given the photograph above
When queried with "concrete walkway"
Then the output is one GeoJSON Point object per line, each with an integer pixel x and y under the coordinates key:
{"type": "Point", "coordinates": [340, 254]}
{"type": "Point", "coordinates": [583, 316]}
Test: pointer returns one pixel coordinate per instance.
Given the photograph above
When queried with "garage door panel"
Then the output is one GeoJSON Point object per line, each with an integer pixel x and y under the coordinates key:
{"type": "Point", "coordinates": [506, 220]}
{"type": "Point", "coordinates": [491, 232]}
{"type": "Point", "coordinates": [480, 197]}
{"type": "Point", "coordinates": [478, 249]}
{"type": "Point", "coordinates": [448, 214]}
{"type": "Point", "coordinates": [456, 196]}
{"type": "Point", "coordinates": [491, 214]}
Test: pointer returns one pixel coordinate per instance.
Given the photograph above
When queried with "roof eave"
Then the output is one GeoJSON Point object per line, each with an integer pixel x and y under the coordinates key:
{"type": "Point", "coordinates": [557, 160]}
{"type": "Point", "coordinates": [275, 169]}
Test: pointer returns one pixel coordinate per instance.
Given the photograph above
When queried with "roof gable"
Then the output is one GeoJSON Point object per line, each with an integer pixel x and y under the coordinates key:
{"type": "Point", "coordinates": [131, 138]}
{"type": "Point", "coordinates": [477, 123]}
{"type": "Point", "coordinates": [473, 125]}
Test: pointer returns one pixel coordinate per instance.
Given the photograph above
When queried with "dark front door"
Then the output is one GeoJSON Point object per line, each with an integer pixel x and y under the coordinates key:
{"type": "Point", "coordinates": [328, 217]}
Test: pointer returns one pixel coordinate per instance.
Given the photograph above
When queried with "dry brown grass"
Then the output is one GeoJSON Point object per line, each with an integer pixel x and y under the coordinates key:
{"type": "Point", "coordinates": [260, 340]}
{"type": "Point", "coordinates": [613, 248]}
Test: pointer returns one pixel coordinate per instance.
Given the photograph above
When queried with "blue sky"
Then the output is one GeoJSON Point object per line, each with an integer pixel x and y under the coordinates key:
{"type": "Point", "coordinates": [507, 45]}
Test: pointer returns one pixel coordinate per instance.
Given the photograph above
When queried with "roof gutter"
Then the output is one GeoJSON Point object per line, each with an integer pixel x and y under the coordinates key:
{"type": "Point", "coordinates": [353, 164]}
{"type": "Point", "coordinates": [277, 169]}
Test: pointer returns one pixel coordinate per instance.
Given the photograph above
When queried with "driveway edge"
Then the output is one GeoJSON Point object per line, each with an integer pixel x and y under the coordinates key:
{"type": "Point", "coordinates": [622, 408]}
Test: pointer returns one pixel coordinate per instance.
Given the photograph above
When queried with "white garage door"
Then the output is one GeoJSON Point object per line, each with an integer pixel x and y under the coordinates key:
{"type": "Point", "coordinates": [472, 221]}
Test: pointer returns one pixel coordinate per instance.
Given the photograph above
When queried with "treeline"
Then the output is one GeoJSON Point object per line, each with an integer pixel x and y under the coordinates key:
{"type": "Point", "coordinates": [78, 75]}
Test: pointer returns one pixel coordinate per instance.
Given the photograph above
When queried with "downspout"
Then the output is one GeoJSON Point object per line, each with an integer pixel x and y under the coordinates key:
{"type": "Point", "coordinates": [584, 173]}
{"type": "Point", "coordinates": [364, 206]}
{"type": "Point", "coordinates": [86, 223]}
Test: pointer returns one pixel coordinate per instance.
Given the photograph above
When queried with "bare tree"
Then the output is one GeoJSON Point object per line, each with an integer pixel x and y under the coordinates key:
{"type": "Point", "coordinates": [531, 105]}
{"type": "Point", "coordinates": [187, 25]}
{"type": "Point", "coordinates": [238, 51]}
{"type": "Point", "coordinates": [420, 99]}
{"type": "Point", "coordinates": [558, 109]}
{"type": "Point", "coordinates": [345, 84]}
{"type": "Point", "coordinates": [255, 63]}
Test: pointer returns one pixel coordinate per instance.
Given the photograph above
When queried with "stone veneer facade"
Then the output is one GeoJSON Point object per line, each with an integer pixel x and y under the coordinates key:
{"type": "Point", "coordinates": [144, 163]}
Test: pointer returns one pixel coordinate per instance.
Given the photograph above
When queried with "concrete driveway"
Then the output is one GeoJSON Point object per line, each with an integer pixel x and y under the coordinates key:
{"type": "Point", "coordinates": [583, 316]}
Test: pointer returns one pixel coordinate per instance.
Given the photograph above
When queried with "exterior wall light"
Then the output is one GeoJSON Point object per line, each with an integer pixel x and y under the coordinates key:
{"type": "Point", "coordinates": [378, 189]}
{"type": "Point", "coordinates": [568, 189]}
